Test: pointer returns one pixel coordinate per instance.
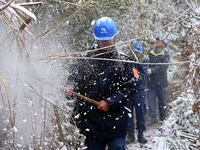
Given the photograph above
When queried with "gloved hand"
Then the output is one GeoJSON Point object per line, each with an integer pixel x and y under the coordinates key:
{"type": "Point", "coordinates": [135, 73]}
{"type": "Point", "coordinates": [149, 71]}
{"type": "Point", "coordinates": [68, 90]}
{"type": "Point", "coordinates": [103, 106]}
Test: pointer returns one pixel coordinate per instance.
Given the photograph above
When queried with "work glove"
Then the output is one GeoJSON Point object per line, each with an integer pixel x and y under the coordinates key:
{"type": "Point", "coordinates": [103, 106]}
{"type": "Point", "coordinates": [135, 73]}
{"type": "Point", "coordinates": [68, 90]}
{"type": "Point", "coordinates": [149, 71]}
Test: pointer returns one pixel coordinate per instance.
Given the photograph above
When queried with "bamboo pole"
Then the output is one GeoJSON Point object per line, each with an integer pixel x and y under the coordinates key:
{"type": "Point", "coordinates": [87, 99]}
{"type": "Point", "coordinates": [135, 56]}
{"type": "Point", "coordinates": [58, 123]}
{"type": "Point", "coordinates": [141, 23]}
{"type": "Point", "coordinates": [6, 97]}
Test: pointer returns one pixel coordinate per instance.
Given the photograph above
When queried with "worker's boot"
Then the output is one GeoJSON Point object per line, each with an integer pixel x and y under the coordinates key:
{"type": "Point", "coordinates": [130, 139]}
{"type": "Point", "coordinates": [141, 138]}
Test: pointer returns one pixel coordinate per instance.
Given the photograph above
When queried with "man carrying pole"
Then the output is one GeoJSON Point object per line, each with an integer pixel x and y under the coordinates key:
{"type": "Point", "coordinates": [103, 123]}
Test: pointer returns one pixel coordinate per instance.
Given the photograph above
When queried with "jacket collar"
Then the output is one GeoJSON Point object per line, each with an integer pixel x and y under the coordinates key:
{"type": "Point", "coordinates": [157, 54]}
{"type": "Point", "coordinates": [106, 54]}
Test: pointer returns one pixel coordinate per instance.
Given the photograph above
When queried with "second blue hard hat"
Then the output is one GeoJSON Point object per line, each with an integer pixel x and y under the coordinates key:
{"type": "Point", "coordinates": [137, 46]}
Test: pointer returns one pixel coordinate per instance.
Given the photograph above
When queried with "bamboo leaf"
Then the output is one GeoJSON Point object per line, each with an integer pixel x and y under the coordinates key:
{"type": "Point", "coordinates": [18, 15]}
{"type": "Point", "coordinates": [24, 10]}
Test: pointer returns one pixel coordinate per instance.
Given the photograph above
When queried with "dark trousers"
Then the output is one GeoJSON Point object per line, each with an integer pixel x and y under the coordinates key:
{"type": "Point", "coordinates": [159, 93]}
{"type": "Point", "coordinates": [97, 144]}
{"type": "Point", "coordinates": [139, 103]}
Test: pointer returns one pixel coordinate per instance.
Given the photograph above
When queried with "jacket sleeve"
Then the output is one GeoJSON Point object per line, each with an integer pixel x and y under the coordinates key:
{"type": "Point", "coordinates": [75, 73]}
{"type": "Point", "coordinates": [139, 84]}
{"type": "Point", "coordinates": [77, 70]}
{"type": "Point", "coordinates": [118, 99]}
{"type": "Point", "coordinates": [136, 83]}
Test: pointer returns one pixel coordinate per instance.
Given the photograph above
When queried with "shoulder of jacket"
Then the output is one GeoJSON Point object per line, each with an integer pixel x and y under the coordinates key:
{"type": "Point", "coordinates": [124, 56]}
{"type": "Point", "coordinates": [92, 47]}
{"type": "Point", "coordinates": [151, 52]}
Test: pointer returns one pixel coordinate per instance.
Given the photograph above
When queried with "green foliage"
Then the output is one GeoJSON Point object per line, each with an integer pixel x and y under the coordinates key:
{"type": "Point", "coordinates": [80, 27]}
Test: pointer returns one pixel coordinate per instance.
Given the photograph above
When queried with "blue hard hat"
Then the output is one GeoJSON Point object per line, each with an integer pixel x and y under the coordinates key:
{"type": "Point", "coordinates": [137, 46]}
{"type": "Point", "coordinates": [105, 29]}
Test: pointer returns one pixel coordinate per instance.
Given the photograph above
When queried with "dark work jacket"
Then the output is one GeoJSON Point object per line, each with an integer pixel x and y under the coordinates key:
{"type": "Point", "coordinates": [102, 80]}
{"type": "Point", "coordinates": [158, 76]}
{"type": "Point", "coordinates": [141, 82]}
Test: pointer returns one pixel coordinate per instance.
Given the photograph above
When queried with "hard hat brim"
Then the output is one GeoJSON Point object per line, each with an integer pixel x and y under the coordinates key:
{"type": "Point", "coordinates": [138, 51]}
{"type": "Point", "coordinates": [105, 38]}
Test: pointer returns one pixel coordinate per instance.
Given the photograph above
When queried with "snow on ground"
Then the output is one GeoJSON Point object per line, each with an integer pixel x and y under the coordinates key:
{"type": "Point", "coordinates": [179, 131]}
{"type": "Point", "coordinates": [155, 140]}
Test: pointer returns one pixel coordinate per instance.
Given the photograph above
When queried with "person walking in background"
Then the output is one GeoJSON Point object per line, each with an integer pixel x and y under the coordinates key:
{"type": "Point", "coordinates": [138, 97]}
{"type": "Point", "coordinates": [107, 83]}
{"type": "Point", "coordinates": [157, 80]}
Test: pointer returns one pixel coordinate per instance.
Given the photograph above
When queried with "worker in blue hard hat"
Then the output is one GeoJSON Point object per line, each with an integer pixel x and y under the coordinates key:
{"type": "Point", "coordinates": [103, 124]}
{"type": "Point", "coordinates": [138, 96]}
